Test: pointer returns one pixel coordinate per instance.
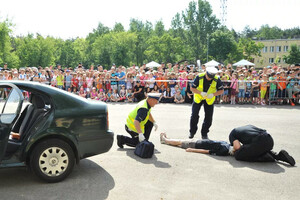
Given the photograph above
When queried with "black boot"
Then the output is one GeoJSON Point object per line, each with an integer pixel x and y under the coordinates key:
{"type": "Point", "coordinates": [191, 136]}
{"type": "Point", "coordinates": [119, 141]}
{"type": "Point", "coordinates": [285, 157]}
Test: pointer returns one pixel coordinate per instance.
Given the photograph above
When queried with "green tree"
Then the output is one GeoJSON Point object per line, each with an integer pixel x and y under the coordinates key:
{"type": "Point", "coordinates": [7, 53]}
{"type": "Point", "coordinates": [159, 28]}
{"type": "Point", "coordinates": [118, 27]}
{"type": "Point", "coordinates": [267, 32]}
{"type": "Point", "coordinates": [222, 43]}
{"type": "Point", "coordinates": [199, 23]}
{"type": "Point", "coordinates": [293, 56]}
{"type": "Point", "coordinates": [249, 48]}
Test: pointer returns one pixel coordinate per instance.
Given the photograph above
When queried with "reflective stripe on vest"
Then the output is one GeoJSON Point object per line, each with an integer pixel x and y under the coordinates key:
{"type": "Point", "coordinates": [132, 115]}
{"type": "Point", "coordinates": [212, 89]}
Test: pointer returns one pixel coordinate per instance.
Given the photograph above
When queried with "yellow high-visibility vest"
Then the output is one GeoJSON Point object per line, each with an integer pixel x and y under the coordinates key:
{"type": "Point", "coordinates": [212, 89]}
{"type": "Point", "coordinates": [132, 115]}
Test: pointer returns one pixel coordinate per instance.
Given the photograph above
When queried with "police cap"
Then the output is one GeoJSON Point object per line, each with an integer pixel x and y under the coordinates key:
{"type": "Point", "coordinates": [154, 95]}
{"type": "Point", "coordinates": [211, 71]}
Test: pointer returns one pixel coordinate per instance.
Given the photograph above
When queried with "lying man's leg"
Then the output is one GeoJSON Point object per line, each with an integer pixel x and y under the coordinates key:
{"type": "Point", "coordinates": [177, 142]}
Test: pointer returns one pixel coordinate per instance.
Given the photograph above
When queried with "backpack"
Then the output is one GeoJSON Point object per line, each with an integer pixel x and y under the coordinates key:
{"type": "Point", "coordinates": [144, 149]}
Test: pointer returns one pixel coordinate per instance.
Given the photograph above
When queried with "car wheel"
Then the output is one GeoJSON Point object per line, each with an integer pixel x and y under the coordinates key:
{"type": "Point", "coordinates": [52, 160]}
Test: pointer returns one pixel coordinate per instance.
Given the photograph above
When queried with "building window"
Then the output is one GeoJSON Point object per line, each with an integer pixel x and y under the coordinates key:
{"type": "Point", "coordinates": [279, 60]}
{"type": "Point", "coordinates": [286, 48]}
{"type": "Point", "coordinates": [271, 60]}
{"type": "Point", "coordinates": [265, 49]}
{"type": "Point", "coordinates": [272, 49]}
{"type": "Point", "coordinates": [278, 49]}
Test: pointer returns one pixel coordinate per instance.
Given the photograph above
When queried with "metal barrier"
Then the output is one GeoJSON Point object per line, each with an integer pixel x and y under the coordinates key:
{"type": "Point", "coordinates": [247, 92]}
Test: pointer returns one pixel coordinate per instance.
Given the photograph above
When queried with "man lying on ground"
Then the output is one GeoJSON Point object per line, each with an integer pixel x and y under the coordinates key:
{"type": "Point", "coordinates": [257, 152]}
{"type": "Point", "coordinates": [219, 148]}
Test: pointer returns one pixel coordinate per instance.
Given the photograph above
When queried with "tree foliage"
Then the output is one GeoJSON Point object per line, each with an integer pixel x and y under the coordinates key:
{"type": "Point", "coordinates": [294, 55]}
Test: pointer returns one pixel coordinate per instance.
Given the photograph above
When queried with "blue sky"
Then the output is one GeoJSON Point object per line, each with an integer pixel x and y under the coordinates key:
{"type": "Point", "coordinates": [68, 19]}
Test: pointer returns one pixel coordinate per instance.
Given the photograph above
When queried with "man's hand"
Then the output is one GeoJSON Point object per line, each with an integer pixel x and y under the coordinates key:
{"type": "Point", "coordinates": [204, 95]}
{"type": "Point", "coordinates": [155, 126]}
{"type": "Point", "coordinates": [141, 137]}
{"type": "Point", "coordinates": [211, 95]}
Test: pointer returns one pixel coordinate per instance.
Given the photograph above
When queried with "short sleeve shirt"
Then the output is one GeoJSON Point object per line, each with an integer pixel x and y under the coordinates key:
{"type": "Point", "coordinates": [207, 83]}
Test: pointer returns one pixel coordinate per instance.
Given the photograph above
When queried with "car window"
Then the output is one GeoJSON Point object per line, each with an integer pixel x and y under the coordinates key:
{"type": "Point", "coordinates": [9, 102]}
{"type": "Point", "coordinates": [12, 103]}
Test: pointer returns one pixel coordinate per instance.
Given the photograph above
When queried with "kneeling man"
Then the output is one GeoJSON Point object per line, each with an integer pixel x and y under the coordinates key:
{"type": "Point", "coordinates": [256, 145]}
{"type": "Point", "coordinates": [139, 122]}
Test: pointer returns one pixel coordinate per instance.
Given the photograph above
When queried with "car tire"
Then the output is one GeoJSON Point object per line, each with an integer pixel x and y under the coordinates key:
{"type": "Point", "coordinates": [52, 160]}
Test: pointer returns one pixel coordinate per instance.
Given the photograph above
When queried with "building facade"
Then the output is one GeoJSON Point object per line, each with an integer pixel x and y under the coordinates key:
{"type": "Point", "coordinates": [273, 52]}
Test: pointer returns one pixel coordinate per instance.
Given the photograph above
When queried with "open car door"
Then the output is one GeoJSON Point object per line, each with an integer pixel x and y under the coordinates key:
{"type": "Point", "coordinates": [11, 108]}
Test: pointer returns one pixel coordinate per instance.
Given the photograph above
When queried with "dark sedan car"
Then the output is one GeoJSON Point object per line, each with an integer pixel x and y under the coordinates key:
{"type": "Point", "coordinates": [51, 131]}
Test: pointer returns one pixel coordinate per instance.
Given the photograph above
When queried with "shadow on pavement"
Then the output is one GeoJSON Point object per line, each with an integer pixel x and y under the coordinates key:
{"type": "Point", "coordinates": [268, 167]}
{"type": "Point", "coordinates": [153, 160]}
{"type": "Point", "coordinates": [88, 179]}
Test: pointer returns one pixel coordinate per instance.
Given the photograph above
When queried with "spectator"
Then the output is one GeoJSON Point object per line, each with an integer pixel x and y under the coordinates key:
{"type": "Point", "coordinates": [233, 87]}
{"type": "Point", "coordinates": [178, 98]}
{"type": "Point", "coordinates": [115, 96]}
{"type": "Point", "coordinates": [263, 89]}
{"type": "Point", "coordinates": [138, 92]}
{"type": "Point", "coordinates": [167, 96]}
{"type": "Point", "coordinates": [241, 88]}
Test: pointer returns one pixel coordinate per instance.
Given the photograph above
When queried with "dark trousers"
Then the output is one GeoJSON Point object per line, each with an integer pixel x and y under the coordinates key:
{"type": "Point", "coordinates": [208, 110]}
{"type": "Point", "coordinates": [134, 139]}
{"type": "Point", "coordinates": [259, 150]}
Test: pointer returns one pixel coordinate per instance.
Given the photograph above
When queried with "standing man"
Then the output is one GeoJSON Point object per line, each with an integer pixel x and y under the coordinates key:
{"type": "Point", "coordinates": [140, 122]}
{"type": "Point", "coordinates": [206, 87]}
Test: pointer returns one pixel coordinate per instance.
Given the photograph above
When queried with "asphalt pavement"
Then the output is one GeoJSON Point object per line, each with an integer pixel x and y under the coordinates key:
{"type": "Point", "coordinates": [173, 173]}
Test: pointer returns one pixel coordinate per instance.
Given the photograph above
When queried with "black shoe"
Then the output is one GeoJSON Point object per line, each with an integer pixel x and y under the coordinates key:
{"type": "Point", "coordinates": [284, 156]}
{"type": "Point", "coordinates": [205, 137]}
{"type": "Point", "coordinates": [119, 141]}
{"type": "Point", "coordinates": [191, 136]}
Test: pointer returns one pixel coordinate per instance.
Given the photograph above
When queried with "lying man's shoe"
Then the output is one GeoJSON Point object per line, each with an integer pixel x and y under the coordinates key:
{"type": "Point", "coordinates": [284, 156]}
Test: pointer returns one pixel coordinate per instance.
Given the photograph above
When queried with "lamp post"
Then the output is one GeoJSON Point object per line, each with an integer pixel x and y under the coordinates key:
{"type": "Point", "coordinates": [207, 47]}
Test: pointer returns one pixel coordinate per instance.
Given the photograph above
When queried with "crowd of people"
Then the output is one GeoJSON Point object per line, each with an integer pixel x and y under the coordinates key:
{"type": "Point", "coordinates": [242, 85]}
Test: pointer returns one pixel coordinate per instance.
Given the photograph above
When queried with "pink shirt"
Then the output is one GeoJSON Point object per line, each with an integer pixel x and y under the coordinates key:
{"type": "Point", "coordinates": [183, 82]}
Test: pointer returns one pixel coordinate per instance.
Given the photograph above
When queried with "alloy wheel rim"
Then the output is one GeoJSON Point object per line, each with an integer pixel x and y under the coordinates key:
{"type": "Point", "coordinates": [53, 161]}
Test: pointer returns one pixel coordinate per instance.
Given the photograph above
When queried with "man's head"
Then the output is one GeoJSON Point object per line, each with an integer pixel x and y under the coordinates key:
{"type": "Point", "coordinates": [211, 72]}
{"type": "Point", "coordinates": [153, 98]}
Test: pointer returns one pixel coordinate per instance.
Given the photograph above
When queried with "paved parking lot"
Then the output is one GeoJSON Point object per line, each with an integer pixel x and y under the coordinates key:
{"type": "Point", "coordinates": [173, 173]}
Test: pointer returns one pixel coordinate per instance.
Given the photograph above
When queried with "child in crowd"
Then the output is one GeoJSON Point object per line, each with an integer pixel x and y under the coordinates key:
{"type": "Point", "coordinates": [242, 88]}
{"type": "Point", "coordinates": [94, 93]}
{"type": "Point", "coordinates": [183, 83]}
{"type": "Point", "coordinates": [226, 86]}
{"type": "Point", "coordinates": [102, 96]}
{"type": "Point", "coordinates": [255, 91]}
{"type": "Point", "coordinates": [129, 95]}
{"type": "Point", "coordinates": [81, 92]}
{"type": "Point", "coordinates": [178, 98]}
{"type": "Point", "coordinates": [263, 89]}
{"type": "Point", "coordinates": [281, 87]}
{"type": "Point", "coordinates": [273, 87]}
{"type": "Point", "coordinates": [155, 89]}
{"type": "Point", "coordinates": [115, 96]}
{"type": "Point", "coordinates": [248, 90]}
{"type": "Point", "coordinates": [122, 93]}
{"type": "Point", "coordinates": [167, 96]}
{"type": "Point", "coordinates": [233, 86]}
{"type": "Point", "coordinates": [108, 96]}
